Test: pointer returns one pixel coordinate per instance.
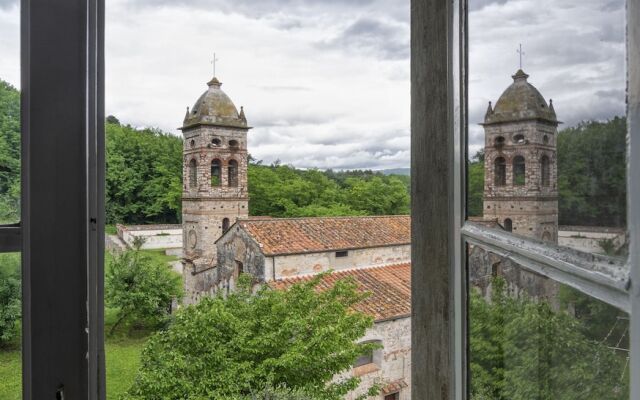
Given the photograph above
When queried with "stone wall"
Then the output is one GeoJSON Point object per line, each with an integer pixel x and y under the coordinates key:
{"type": "Point", "coordinates": [391, 364]}
{"type": "Point", "coordinates": [588, 239]}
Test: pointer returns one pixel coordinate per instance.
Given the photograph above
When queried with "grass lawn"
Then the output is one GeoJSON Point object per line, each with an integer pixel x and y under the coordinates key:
{"type": "Point", "coordinates": [123, 359]}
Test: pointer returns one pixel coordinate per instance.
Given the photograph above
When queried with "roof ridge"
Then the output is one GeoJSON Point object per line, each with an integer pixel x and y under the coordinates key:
{"type": "Point", "coordinates": [254, 219]}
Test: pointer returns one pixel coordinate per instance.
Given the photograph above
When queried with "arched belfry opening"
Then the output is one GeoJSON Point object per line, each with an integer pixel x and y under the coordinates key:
{"type": "Point", "coordinates": [193, 173]}
{"type": "Point", "coordinates": [519, 171]}
{"type": "Point", "coordinates": [233, 173]}
{"type": "Point", "coordinates": [500, 171]}
{"type": "Point", "coordinates": [216, 168]}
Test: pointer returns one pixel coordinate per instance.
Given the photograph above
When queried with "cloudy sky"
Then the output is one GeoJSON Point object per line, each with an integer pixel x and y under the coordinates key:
{"type": "Point", "coordinates": [325, 83]}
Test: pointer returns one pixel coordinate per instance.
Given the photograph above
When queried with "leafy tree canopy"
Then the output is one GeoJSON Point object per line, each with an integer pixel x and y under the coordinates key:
{"type": "Point", "coordinates": [231, 348]}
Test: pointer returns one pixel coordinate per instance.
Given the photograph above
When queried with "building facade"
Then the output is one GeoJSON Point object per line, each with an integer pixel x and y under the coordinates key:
{"type": "Point", "coordinates": [215, 192]}
{"type": "Point", "coordinates": [520, 184]}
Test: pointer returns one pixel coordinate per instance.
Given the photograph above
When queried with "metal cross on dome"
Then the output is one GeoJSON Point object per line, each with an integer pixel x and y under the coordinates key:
{"type": "Point", "coordinates": [521, 53]}
{"type": "Point", "coordinates": [214, 63]}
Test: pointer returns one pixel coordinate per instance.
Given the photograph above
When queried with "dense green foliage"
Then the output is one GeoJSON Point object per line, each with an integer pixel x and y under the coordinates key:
{"type": "Point", "coordinates": [591, 173]}
{"type": "Point", "coordinates": [9, 153]}
{"type": "Point", "coordinates": [229, 348]}
{"type": "Point", "coordinates": [283, 191]}
{"type": "Point", "coordinates": [140, 289]}
{"type": "Point", "coordinates": [144, 175]}
{"type": "Point", "coordinates": [10, 305]}
{"type": "Point", "coordinates": [522, 349]}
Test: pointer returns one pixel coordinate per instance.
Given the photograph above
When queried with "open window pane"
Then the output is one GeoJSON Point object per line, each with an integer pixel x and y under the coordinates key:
{"type": "Point", "coordinates": [547, 126]}
{"type": "Point", "coordinates": [532, 337]}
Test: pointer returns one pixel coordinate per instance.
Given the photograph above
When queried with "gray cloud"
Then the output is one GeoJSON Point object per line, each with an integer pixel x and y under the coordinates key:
{"type": "Point", "coordinates": [373, 36]}
{"type": "Point", "coordinates": [475, 5]}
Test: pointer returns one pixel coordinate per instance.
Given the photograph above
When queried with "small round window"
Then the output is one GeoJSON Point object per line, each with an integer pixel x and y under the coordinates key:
{"type": "Point", "coordinates": [518, 139]}
{"type": "Point", "coordinates": [233, 143]}
{"type": "Point", "coordinates": [216, 142]}
{"type": "Point", "coordinates": [500, 140]}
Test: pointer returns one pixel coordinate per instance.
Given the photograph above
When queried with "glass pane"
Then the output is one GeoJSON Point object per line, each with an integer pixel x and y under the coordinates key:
{"type": "Point", "coordinates": [10, 272]}
{"type": "Point", "coordinates": [533, 338]}
{"type": "Point", "coordinates": [547, 130]}
{"type": "Point", "coordinates": [292, 116]}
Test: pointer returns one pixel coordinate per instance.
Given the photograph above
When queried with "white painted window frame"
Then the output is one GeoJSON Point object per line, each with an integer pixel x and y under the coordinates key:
{"type": "Point", "coordinates": [616, 283]}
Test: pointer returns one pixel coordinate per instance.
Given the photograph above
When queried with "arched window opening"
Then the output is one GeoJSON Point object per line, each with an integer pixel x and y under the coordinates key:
{"type": "Point", "coordinates": [192, 143]}
{"type": "Point", "coordinates": [518, 139]}
{"type": "Point", "coordinates": [233, 144]}
{"type": "Point", "coordinates": [500, 171]}
{"type": "Point", "coordinates": [225, 225]}
{"type": "Point", "coordinates": [215, 173]}
{"type": "Point", "coordinates": [233, 173]}
{"type": "Point", "coordinates": [545, 139]}
{"type": "Point", "coordinates": [518, 171]}
{"type": "Point", "coordinates": [546, 237]}
{"type": "Point", "coordinates": [216, 142]}
{"type": "Point", "coordinates": [508, 225]}
{"type": "Point", "coordinates": [500, 141]}
{"type": "Point", "coordinates": [193, 173]}
{"type": "Point", "coordinates": [544, 171]}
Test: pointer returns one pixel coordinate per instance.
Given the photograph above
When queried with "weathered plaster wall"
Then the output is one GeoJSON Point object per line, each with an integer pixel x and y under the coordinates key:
{"type": "Point", "coordinates": [392, 364]}
{"type": "Point", "coordinates": [156, 236]}
{"type": "Point", "coordinates": [313, 263]}
{"type": "Point", "coordinates": [588, 239]}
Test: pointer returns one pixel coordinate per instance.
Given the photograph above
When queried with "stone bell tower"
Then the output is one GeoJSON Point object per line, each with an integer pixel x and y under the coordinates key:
{"type": "Point", "coordinates": [520, 165]}
{"type": "Point", "coordinates": [214, 193]}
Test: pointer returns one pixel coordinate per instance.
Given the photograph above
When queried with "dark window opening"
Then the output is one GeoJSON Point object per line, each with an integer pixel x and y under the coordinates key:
{"type": "Point", "coordinates": [215, 173]}
{"type": "Point", "coordinates": [369, 358]}
{"type": "Point", "coordinates": [499, 140]}
{"type": "Point", "coordinates": [225, 225]}
{"type": "Point", "coordinates": [392, 396]}
{"type": "Point", "coordinates": [544, 171]}
{"type": "Point", "coordinates": [216, 142]}
{"type": "Point", "coordinates": [193, 173]}
{"type": "Point", "coordinates": [500, 171]}
{"type": "Point", "coordinates": [233, 173]}
{"type": "Point", "coordinates": [342, 253]}
{"type": "Point", "coordinates": [518, 171]}
{"type": "Point", "coordinates": [545, 139]}
{"type": "Point", "coordinates": [192, 143]}
{"type": "Point", "coordinates": [239, 268]}
{"type": "Point", "coordinates": [233, 144]}
{"type": "Point", "coordinates": [518, 139]}
{"type": "Point", "coordinates": [508, 225]}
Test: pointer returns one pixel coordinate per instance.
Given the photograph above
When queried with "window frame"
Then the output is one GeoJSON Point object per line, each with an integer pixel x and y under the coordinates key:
{"type": "Point", "coordinates": [62, 275]}
{"type": "Point", "coordinates": [440, 232]}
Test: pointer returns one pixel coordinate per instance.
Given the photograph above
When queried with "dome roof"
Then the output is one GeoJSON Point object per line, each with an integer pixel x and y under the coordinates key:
{"type": "Point", "coordinates": [521, 101]}
{"type": "Point", "coordinates": [214, 107]}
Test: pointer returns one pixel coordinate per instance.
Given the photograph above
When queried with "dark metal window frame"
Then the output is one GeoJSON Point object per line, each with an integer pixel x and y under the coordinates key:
{"type": "Point", "coordinates": [440, 233]}
{"type": "Point", "coordinates": [61, 233]}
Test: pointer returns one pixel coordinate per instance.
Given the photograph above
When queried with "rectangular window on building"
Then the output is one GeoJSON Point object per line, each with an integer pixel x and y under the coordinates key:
{"type": "Point", "coordinates": [342, 253]}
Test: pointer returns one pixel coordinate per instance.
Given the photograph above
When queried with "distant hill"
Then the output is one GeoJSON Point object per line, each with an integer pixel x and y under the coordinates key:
{"type": "Point", "coordinates": [396, 171]}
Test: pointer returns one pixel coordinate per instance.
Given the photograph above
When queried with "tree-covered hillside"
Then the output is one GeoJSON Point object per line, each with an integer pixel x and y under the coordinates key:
{"type": "Point", "coordinates": [144, 169]}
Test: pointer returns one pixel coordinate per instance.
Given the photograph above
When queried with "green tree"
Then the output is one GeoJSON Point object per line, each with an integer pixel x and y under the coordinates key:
{"type": "Point", "coordinates": [144, 175]}
{"type": "Point", "coordinates": [10, 305]}
{"type": "Point", "coordinates": [475, 184]}
{"type": "Point", "coordinates": [9, 153]}
{"type": "Point", "coordinates": [523, 349]}
{"type": "Point", "coordinates": [141, 290]}
{"type": "Point", "coordinates": [230, 348]}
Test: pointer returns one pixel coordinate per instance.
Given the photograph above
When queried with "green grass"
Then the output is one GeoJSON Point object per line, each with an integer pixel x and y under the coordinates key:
{"type": "Point", "coordinates": [159, 256]}
{"type": "Point", "coordinates": [123, 360]}
{"type": "Point", "coordinates": [110, 229]}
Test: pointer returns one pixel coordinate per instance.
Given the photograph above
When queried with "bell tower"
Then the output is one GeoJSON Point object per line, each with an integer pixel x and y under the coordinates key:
{"type": "Point", "coordinates": [520, 165]}
{"type": "Point", "coordinates": [214, 193]}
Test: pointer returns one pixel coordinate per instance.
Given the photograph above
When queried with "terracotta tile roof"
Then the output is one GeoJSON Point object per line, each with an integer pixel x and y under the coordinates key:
{"type": "Point", "coordinates": [307, 235]}
{"type": "Point", "coordinates": [390, 288]}
{"type": "Point", "coordinates": [394, 387]}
